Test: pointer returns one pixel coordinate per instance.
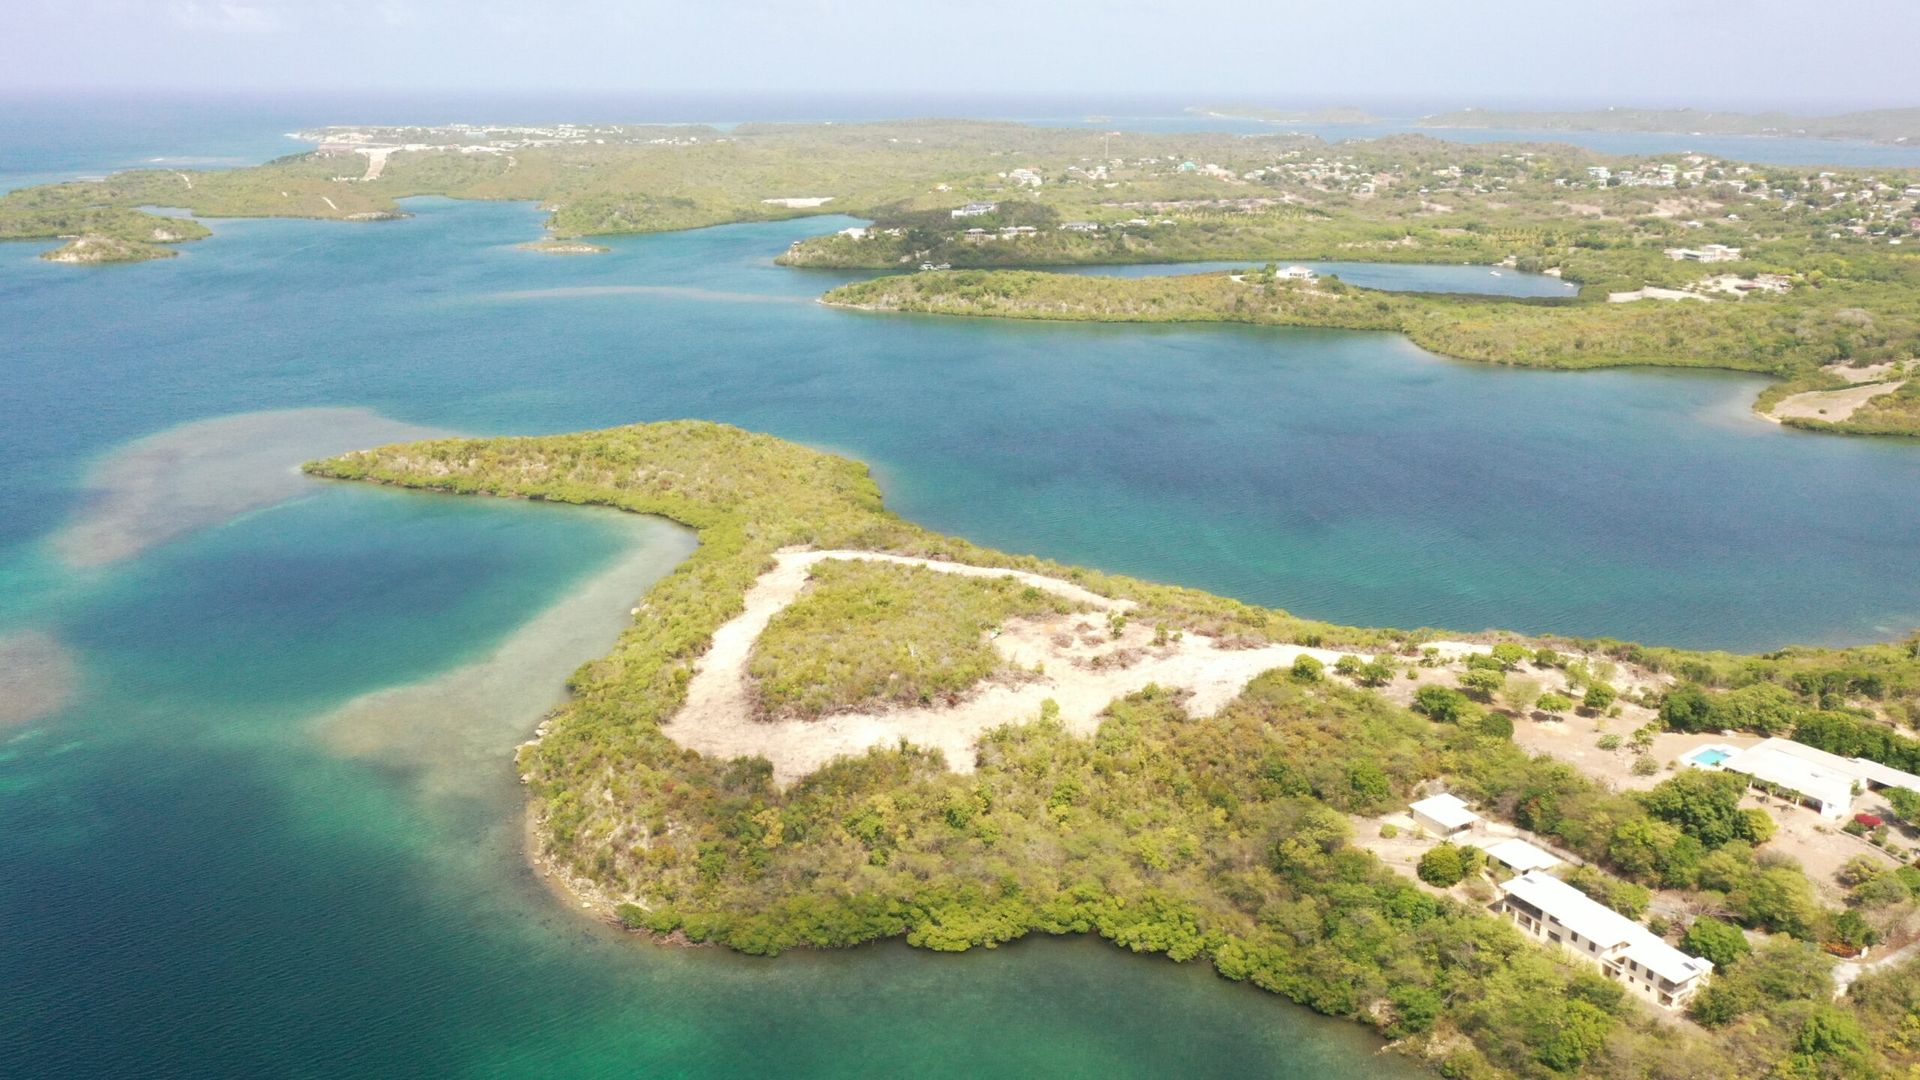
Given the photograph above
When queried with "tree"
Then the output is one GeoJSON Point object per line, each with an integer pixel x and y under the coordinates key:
{"type": "Point", "coordinates": [1578, 1036]}
{"type": "Point", "coordinates": [1832, 1034]}
{"type": "Point", "coordinates": [1496, 725]}
{"type": "Point", "coordinates": [1442, 866]}
{"type": "Point", "coordinates": [1849, 928]}
{"type": "Point", "coordinates": [1703, 804]}
{"type": "Point", "coordinates": [1778, 898]}
{"type": "Point", "coordinates": [1509, 654]}
{"type": "Point", "coordinates": [1307, 669]}
{"type": "Point", "coordinates": [1481, 683]}
{"type": "Point", "coordinates": [1369, 783]}
{"type": "Point", "coordinates": [1440, 704]}
{"type": "Point", "coordinates": [1376, 672]}
{"type": "Point", "coordinates": [1599, 697]}
{"type": "Point", "coordinates": [1640, 846]}
{"type": "Point", "coordinates": [1553, 704]}
{"type": "Point", "coordinates": [1722, 943]}
{"type": "Point", "coordinates": [1906, 804]}
{"type": "Point", "coordinates": [1780, 971]}
{"type": "Point", "coordinates": [1519, 694]}
{"type": "Point", "coordinates": [1763, 708]}
{"type": "Point", "coordinates": [1687, 708]}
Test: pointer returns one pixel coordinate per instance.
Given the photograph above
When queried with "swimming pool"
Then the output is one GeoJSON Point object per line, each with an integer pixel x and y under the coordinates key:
{"type": "Point", "coordinates": [1709, 757]}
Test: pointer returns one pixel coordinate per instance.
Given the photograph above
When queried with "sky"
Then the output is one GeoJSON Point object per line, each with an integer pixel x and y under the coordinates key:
{"type": "Point", "coordinates": [1835, 54]}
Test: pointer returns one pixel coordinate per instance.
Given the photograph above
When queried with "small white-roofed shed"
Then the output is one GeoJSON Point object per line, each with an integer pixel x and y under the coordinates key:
{"type": "Point", "coordinates": [1445, 815]}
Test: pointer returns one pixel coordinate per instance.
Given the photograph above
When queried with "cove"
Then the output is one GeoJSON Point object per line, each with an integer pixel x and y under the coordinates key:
{"type": "Point", "coordinates": [274, 835]}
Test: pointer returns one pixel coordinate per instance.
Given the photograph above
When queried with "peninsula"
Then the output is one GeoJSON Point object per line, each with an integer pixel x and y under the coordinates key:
{"type": "Point", "coordinates": [1896, 126]}
{"type": "Point", "coordinates": [1340, 114]}
{"type": "Point", "coordinates": [830, 726]}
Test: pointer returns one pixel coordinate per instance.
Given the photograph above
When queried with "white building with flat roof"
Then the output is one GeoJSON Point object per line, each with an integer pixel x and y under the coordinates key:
{"type": "Point", "coordinates": [1445, 815]}
{"type": "Point", "coordinates": [1826, 782]}
{"type": "Point", "coordinates": [1521, 857]}
{"type": "Point", "coordinates": [1556, 912]}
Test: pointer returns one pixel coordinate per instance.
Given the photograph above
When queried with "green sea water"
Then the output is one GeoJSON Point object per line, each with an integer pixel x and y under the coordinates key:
{"type": "Point", "coordinates": [253, 825]}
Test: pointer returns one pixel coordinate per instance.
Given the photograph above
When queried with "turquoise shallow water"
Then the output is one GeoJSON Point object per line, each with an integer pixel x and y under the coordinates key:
{"type": "Point", "coordinates": [204, 873]}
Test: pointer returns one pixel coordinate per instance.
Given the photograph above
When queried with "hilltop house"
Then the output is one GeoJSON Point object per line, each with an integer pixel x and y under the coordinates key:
{"type": "Point", "coordinates": [1630, 954]}
{"type": "Point", "coordinates": [1706, 253]}
{"type": "Point", "coordinates": [976, 209]}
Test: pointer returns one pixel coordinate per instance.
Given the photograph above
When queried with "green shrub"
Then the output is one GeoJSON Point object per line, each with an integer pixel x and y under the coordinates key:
{"type": "Point", "coordinates": [1442, 865]}
{"type": "Point", "coordinates": [1441, 704]}
{"type": "Point", "coordinates": [1720, 942]}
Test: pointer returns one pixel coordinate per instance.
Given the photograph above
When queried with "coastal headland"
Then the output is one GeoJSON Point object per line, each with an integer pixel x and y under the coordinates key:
{"type": "Point", "coordinates": [1214, 820]}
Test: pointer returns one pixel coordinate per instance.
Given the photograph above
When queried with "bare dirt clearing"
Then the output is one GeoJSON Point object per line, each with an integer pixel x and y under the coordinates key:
{"type": "Point", "coordinates": [1085, 668]}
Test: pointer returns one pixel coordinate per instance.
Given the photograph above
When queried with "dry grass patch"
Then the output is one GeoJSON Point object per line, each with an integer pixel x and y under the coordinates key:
{"type": "Point", "coordinates": [875, 634]}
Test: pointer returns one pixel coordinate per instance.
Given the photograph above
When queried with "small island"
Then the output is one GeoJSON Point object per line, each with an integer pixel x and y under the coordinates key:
{"type": "Point", "coordinates": [831, 726]}
{"type": "Point", "coordinates": [555, 246]}
{"type": "Point", "coordinates": [1340, 114]}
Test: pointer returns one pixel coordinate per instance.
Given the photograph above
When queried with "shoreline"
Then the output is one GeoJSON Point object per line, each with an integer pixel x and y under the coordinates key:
{"type": "Point", "coordinates": [1797, 423]}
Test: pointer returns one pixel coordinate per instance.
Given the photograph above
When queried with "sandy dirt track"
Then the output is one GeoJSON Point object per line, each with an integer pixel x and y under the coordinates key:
{"type": "Point", "coordinates": [1832, 405]}
{"type": "Point", "coordinates": [1082, 676]}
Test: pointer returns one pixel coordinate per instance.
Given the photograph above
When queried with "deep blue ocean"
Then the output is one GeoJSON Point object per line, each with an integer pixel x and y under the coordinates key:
{"type": "Point", "coordinates": [250, 823]}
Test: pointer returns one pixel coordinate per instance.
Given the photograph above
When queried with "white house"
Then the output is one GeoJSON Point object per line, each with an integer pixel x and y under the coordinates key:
{"type": "Point", "coordinates": [1706, 253]}
{"type": "Point", "coordinates": [1521, 857]}
{"type": "Point", "coordinates": [1826, 782]}
{"type": "Point", "coordinates": [1554, 911]}
{"type": "Point", "coordinates": [975, 209]}
{"type": "Point", "coordinates": [1445, 815]}
{"type": "Point", "coordinates": [1297, 273]}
